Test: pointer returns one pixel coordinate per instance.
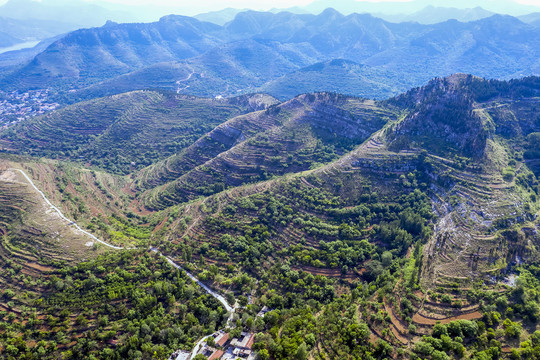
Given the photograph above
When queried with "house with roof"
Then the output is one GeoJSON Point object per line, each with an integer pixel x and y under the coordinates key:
{"type": "Point", "coordinates": [245, 341]}
{"type": "Point", "coordinates": [212, 353]}
{"type": "Point", "coordinates": [180, 355]}
{"type": "Point", "coordinates": [221, 338]}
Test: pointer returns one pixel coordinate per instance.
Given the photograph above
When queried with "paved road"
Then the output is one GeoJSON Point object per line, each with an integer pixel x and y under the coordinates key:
{"type": "Point", "coordinates": [198, 346]}
{"type": "Point", "coordinates": [74, 224]}
{"type": "Point", "coordinates": [220, 298]}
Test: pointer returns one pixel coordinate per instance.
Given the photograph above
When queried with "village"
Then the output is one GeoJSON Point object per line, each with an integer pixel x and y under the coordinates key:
{"type": "Point", "coordinates": [16, 106]}
{"type": "Point", "coordinates": [219, 346]}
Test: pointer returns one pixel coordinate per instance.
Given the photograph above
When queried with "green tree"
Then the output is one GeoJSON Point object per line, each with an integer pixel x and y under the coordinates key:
{"type": "Point", "coordinates": [263, 355]}
{"type": "Point", "coordinates": [302, 352]}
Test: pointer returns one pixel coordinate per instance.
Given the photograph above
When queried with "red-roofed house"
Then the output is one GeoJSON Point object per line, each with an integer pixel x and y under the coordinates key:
{"type": "Point", "coordinates": [216, 355]}
{"type": "Point", "coordinates": [222, 339]}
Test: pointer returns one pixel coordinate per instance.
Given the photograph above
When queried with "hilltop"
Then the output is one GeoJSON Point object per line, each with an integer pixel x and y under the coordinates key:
{"type": "Point", "coordinates": [291, 137]}
{"type": "Point", "coordinates": [88, 55]}
{"type": "Point", "coordinates": [338, 75]}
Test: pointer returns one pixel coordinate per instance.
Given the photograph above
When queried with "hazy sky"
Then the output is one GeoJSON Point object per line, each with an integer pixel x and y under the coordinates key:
{"type": "Point", "coordinates": [262, 4]}
{"type": "Point", "coordinates": [220, 4]}
{"type": "Point", "coordinates": [192, 7]}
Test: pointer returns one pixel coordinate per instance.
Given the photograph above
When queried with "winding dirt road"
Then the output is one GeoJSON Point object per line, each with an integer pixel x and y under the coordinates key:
{"type": "Point", "coordinates": [220, 298]}
{"type": "Point", "coordinates": [75, 225]}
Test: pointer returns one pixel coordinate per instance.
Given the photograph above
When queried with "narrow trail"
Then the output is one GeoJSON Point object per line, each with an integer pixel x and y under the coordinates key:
{"type": "Point", "coordinates": [75, 225]}
{"type": "Point", "coordinates": [221, 299]}
{"type": "Point", "coordinates": [179, 82]}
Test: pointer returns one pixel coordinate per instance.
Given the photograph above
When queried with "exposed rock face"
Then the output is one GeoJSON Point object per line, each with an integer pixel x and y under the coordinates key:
{"type": "Point", "coordinates": [442, 119]}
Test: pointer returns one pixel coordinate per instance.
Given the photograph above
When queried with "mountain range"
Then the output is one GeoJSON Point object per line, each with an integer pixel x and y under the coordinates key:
{"type": "Point", "coordinates": [7, 40]}
{"type": "Point", "coordinates": [285, 185]}
{"type": "Point", "coordinates": [428, 15]}
{"type": "Point", "coordinates": [258, 50]}
{"type": "Point", "coordinates": [34, 29]}
{"type": "Point", "coordinates": [433, 15]}
{"type": "Point", "coordinates": [74, 14]}
{"type": "Point", "coordinates": [507, 7]}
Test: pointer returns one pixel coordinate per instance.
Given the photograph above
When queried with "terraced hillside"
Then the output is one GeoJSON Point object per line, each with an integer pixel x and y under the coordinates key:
{"type": "Point", "coordinates": [31, 231]}
{"type": "Point", "coordinates": [480, 187]}
{"type": "Point", "coordinates": [398, 228]}
{"type": "Point", "coordinates": [125, 132]}
{"type": "Point", "coordinates": [58, 287]}
{"type": "Point", "coordinates": [339, 219]}
{"type": "Point", "coordinates": [297, 135]}
{"type": "Point", "coordinates": [35, 240]}
{"type": "Point", "coordinates": [452, 139]}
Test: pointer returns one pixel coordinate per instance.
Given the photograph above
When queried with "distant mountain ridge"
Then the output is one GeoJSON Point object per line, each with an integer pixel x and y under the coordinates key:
{"type": "Point", "coordinates": [533, 18]}
{"type": "Point", "coordinates": [8, 40]}
{"type": "Point", "coordinates": [34, 29]}
{"type": "Point", "coordinates": [408, 7]}
{"type": "Point", "coordinates": [428, 15]}
{"type": "Point", "coordinates": [257, 48]}
{"type": "Point", "coordinates": [90, 55]}
{"type": "Point", "coordinates": [220, 17]}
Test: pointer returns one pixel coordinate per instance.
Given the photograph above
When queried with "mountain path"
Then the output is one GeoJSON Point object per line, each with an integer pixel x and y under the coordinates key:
{"type": "Point", "coordinates": [62, 215]}
{"type": "Point", "coordinates": [220, 298]}
{"type": "Point", "coordinates": [179, 82]}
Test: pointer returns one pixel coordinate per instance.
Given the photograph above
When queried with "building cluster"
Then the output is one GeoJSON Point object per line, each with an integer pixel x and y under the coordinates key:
{"type": "Point", "coordinates": [224, 348]}
{"type": "Point", "coordinates": [16, 106]}
{"type": "Point", "coordinates": [229, 349]}
{"type": "Point", "coordinates": [180, 355]}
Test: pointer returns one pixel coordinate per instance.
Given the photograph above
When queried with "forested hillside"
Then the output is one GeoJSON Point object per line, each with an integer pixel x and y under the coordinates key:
{"type": "Point", "coordinates": [402, 228]}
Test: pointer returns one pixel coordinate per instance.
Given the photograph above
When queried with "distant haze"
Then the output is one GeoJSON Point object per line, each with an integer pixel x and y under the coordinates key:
{"type": "Point", "coordinates": [193, 7]}
{"type": "Point", "coordinates": [32, 20]}
{"type": "Point", "coordinates": [153, 8]}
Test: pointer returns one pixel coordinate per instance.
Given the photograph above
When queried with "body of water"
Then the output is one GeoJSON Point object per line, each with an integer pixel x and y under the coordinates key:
{"type": "Point", "coordinates": [19, 46]}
